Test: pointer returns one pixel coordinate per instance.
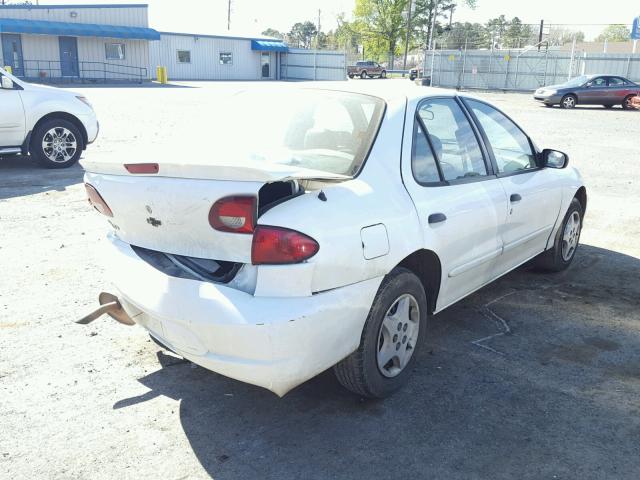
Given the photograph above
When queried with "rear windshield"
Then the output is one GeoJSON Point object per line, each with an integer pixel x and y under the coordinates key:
{"type": "Point", "coordinates": [320, 130]}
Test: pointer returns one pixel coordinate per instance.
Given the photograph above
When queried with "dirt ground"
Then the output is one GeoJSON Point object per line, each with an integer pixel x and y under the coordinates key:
{"type": "Point", "coordinates": [555, 397]}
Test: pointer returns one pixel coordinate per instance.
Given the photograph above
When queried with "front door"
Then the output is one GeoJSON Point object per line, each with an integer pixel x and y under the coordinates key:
{"type": "Point", "coordinates": [12, 121]}
{"type": "Point", "coordinates": [534, 193]}
{"type": "Point", "coordinates": [461, 206]}
{"type": "Point", "coordinates": [12, 53]}
{"type": "Point", "coordinates": [594, 92]}
{"type": "Point", "coordinates": [265, 65]}
{"type": "Point", "coordinates": [69, 56]}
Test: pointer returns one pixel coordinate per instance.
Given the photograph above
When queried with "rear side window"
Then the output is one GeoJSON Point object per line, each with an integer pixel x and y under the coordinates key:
{"type": "Point", "coordinates": [616, 82]}
{"type": "Point", "coordinates": [511, 147]}
{"type": "Point", "coordinates": [423, 161]}
{"type": "Point", "coordinates": [456, 146]}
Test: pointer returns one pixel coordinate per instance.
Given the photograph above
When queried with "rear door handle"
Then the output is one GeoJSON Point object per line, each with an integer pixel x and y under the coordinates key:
{"type": "Point", "coordinates": [515, 197]}
{"type": "Point", "coordinates": [437, 218]}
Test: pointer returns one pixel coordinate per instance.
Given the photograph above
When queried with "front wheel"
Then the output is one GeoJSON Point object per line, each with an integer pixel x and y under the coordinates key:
{"type": "Point", "coordinates": [568, 101]}
{"type": "Point", "coordinates": [392, 333]}
{"type": "Point", "coordinates": [383, 74]}
{"type": "Point", "coordinates": [56, 143]}
{"type": "Point", "coordinates": [566, 242]}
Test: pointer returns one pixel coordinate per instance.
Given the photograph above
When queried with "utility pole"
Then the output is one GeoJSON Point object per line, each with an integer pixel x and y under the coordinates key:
{"type": "Point", "coordinates": [433, 23]}
{"type": "Point", "coordinates": [229, 15]}
{"type": "Point", "coordinates": [406, 39]}
{"type": "Point", "coordinates": [540, 34]}
{"type": "Point", "coordinates": [318, 33]}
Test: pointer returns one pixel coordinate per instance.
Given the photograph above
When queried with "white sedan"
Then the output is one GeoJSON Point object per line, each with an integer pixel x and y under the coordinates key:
{"type": "Point", "coordinates": [326, 226]}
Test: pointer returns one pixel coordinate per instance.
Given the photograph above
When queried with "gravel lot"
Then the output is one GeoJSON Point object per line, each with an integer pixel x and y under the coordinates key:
{"type": "Point", "coordinates": [556, 397]}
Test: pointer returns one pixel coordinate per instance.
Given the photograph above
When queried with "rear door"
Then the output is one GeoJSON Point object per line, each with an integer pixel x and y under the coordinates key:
{"type": "Point", "coordinates": [618, 89]}
{"type": "Point", "coordinates": [533, 193]}
{"type": "Point", "coordinates": [460, 203]}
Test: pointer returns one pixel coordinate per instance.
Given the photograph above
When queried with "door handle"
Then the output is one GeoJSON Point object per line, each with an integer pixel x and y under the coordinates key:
{"type": "Point", "coordinates": [515, 197]}
{"type": "Point", "coordinates": [437, 218]}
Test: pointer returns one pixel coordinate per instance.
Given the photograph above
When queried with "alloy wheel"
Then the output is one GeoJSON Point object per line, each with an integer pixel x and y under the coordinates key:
{"type": "Point", "coordinates": [59, 144]}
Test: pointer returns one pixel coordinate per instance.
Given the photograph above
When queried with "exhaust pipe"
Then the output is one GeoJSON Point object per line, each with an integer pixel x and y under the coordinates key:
{"type": "Point", "coordinates": [110, 305]}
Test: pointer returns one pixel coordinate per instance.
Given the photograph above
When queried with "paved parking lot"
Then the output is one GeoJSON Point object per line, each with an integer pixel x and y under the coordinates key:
{"type": "Point", "coordinates": [553, 390]}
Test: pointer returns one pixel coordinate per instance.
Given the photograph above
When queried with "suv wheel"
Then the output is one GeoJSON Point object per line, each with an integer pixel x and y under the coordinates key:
{"type": "Point", "coordinates": [56, 143]}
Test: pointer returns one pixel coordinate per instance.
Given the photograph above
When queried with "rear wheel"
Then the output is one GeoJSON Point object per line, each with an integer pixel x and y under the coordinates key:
{"type": "Point", "coordinates": [626, 103]}
{"type": "Point", "coordinates": [392, 333]}
{"type": "Point", "coordinates": [56, 143]}
{"type": "Point", "coordinates": [566, 242]}
{"type": "Point", "coordinates": [568, 101]}
{"type": "Point", "coordinates": [548, 105]}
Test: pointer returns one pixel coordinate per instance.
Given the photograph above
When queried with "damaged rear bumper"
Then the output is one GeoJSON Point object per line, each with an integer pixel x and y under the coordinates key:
{"type": "Point", "coordinates": [275, 343]}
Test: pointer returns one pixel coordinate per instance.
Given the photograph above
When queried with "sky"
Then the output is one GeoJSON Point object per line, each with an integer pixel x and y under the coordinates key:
{"type": "Point", "coordinates": [254, 16]}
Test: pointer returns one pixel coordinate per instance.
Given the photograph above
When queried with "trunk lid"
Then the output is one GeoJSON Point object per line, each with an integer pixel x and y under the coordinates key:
{"type": "Point", "coordinates": [169, 211]}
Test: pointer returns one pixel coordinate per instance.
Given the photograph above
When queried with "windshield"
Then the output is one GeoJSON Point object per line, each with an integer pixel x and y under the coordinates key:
{"type": "Point", "coordinates": [577, 82]}
{"type": "Point", "coordinates": [319, 130]}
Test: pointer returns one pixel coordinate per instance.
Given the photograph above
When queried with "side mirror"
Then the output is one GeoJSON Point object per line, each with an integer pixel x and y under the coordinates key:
{"type": "Point", "coordinates": [7, 83]}
{"type": "Point", "coordinates": [588, 84]}
{"type": "Point", "coordinates": [554, 158]}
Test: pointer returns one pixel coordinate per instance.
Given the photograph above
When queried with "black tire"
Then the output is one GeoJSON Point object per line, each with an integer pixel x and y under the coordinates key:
{"type": "Point", "coordinates": [552, 260]}
{"type": "Point", "coordinates": [350, 75]}
{"type": "Point", "coordinates": [363, 74]}
{"type": "Point", "coordinates": [36, 147]}
{"type": "Point", "coordinates": [383, 74]}
{"type": "Point", "coordinates": [359, 372]}
{"type": "Point", "coordinates": [548, 105]}
{"type": "Point", "coordinates": [607, 106]}
{"type": "Point", "coordinates": [569, 101]}
{"type": "Point", "coordinates": [626, 103]}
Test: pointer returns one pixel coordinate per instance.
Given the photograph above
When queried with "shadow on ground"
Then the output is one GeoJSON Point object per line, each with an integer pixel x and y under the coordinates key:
{"type": "Point", "coordinates": [21, 175]}
{"type": "Point", "coordinates": [556, 397]}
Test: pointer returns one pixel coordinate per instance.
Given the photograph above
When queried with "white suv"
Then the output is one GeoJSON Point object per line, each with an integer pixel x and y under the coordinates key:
{"type": "Point", "coordinates": [51, 124]}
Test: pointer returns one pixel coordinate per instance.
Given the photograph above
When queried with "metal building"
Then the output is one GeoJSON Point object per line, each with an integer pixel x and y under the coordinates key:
{"type": "Point", "coordinates": [108, 42]}
{"type": "Point", "coordinates": [77, 42]}
{"type": "Point", "coordinates": [217, 57]}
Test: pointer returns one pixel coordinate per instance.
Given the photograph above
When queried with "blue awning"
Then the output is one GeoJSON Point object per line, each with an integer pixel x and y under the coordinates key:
{"type": "Point", "coordinates": [269, 46]}
{"type": "Point", "coordinates": [41, 27]}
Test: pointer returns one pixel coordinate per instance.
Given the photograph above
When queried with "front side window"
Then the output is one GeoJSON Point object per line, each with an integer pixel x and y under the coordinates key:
{"type": "Point", "coordinates": [456, 146]}
{"type": "Point", "coordinates": [598, 82]}
{"type": "Point", "coordinates": [511, 147]}
{"type": "Point", "coordinates": [226, 58]}
{"type": "Point", "coordinates": [115, 51]}
{"type": "Point", "coordinates": [184, 56]}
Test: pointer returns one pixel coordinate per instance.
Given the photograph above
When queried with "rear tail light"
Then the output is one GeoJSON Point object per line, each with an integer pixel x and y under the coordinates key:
{"type": "Point", "coordinates": [234, 214]}
{"type": "Point", "coordinates": [96, 200]}
{"type": "Point", "coordinates": [276, 246]}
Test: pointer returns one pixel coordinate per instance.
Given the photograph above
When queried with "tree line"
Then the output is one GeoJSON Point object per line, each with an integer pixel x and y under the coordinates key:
{"type": "Point", "coordinates": [384, 27]}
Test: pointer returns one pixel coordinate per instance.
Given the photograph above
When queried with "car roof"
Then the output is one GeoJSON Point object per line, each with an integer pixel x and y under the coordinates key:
{"type": "Point", "coordinates": [387, 90]}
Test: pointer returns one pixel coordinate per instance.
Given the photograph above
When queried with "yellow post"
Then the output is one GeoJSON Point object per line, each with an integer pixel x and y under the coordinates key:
{"type": "Point", "coordinates": [165, 75]}
{"type": "Point", "coordinates": [8, 69]}
{"type": "Point", "coordinates": [159, 73]}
